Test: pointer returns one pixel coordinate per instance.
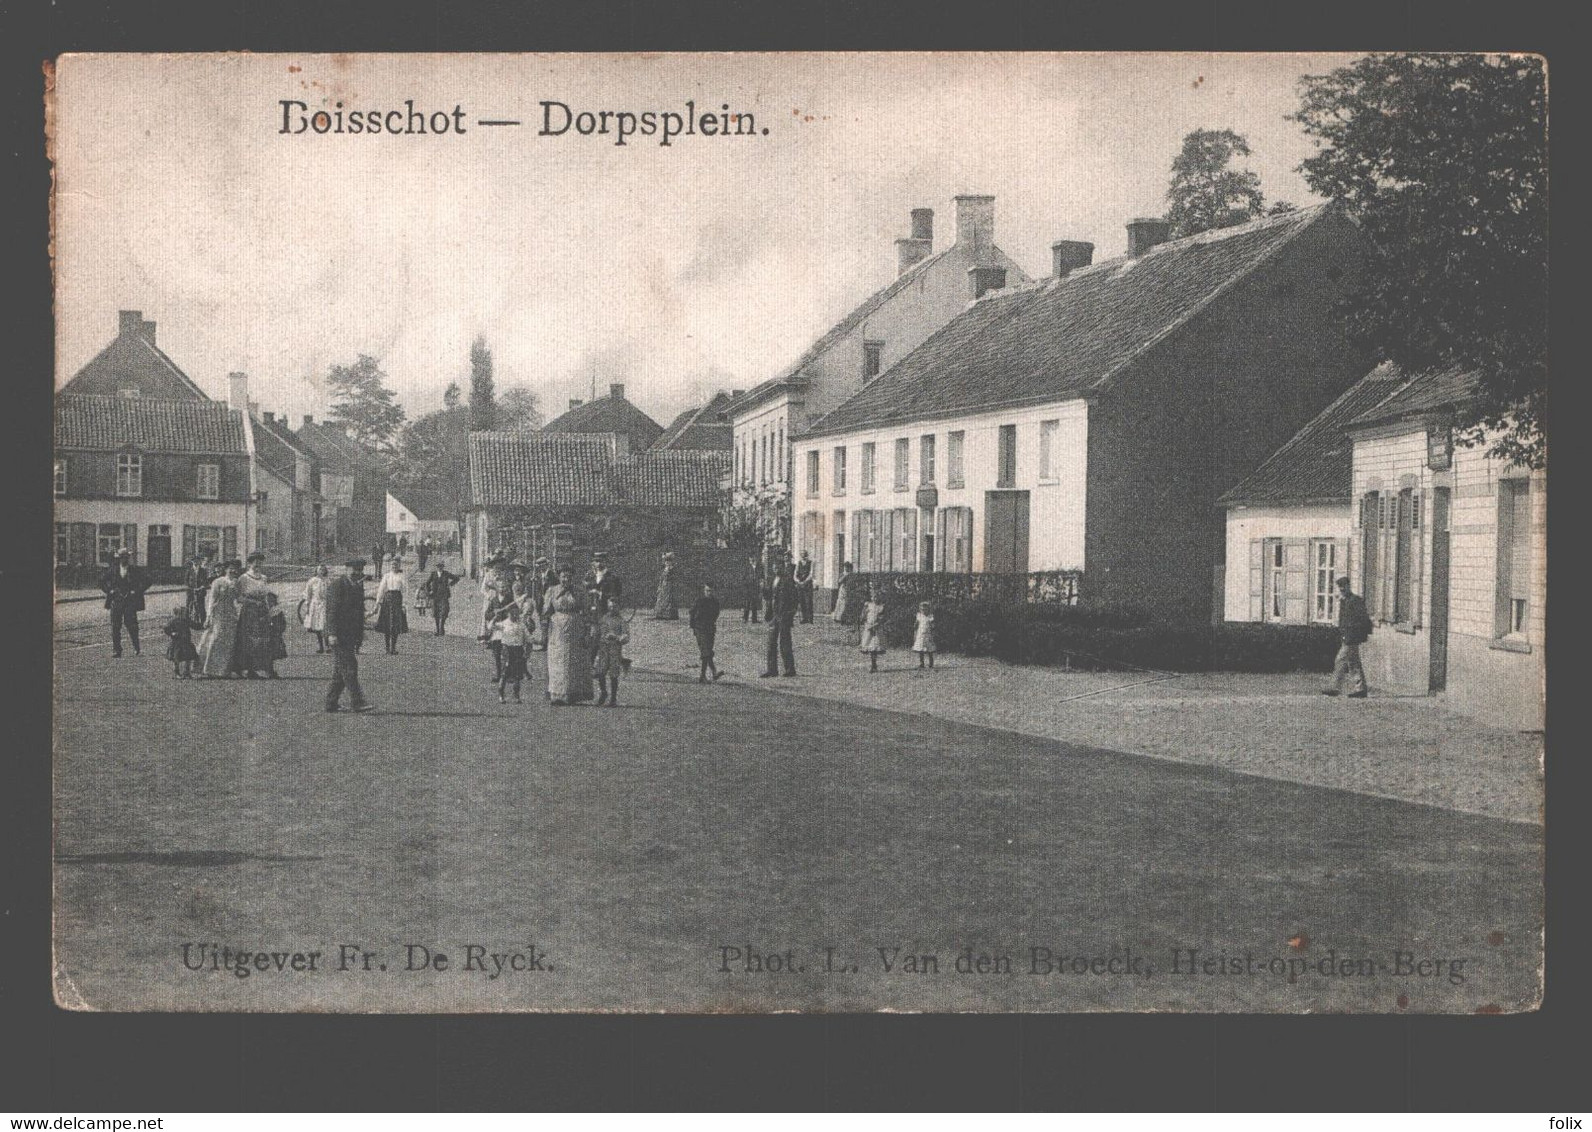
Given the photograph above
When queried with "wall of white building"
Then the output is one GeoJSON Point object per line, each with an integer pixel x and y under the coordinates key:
{"type": "Point", "coordinates": [1056, 502]}
{"type": "Point", "coordinates": [1310, 523]}
{"type": "Point", "coordinates": [168, 513]}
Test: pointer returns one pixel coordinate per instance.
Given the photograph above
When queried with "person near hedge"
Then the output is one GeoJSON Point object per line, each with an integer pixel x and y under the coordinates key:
{"type": "Point", "coordinates": [609, 659]}
{"type": "Point", "coordinates": [391, 620]}
{"type": "Point", "coordinates": [705, 628]}
{"type": "Point", "coordinates": [1354, 627]}
{"type": "Point", "coordinates": [842, 604]}
{"type": "Point", "coordinates": [873, 629]}
{"type": "Point", "coordinates": [923, 639]}
{"type": "Point", "coordinates": [180, 651]}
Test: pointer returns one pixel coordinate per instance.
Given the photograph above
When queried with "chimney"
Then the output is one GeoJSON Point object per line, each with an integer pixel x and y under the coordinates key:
{"type": "Point", "coordinates": [130, 322]}
{"type": "Point", "coordinates": [975, 223]}
{"type": "Point", "coordinates": [910, 253]}
{"type": "Point", "coordinates": [238, 391]}
{"type": "Point", "coordinates": [1145, 232]}
{"type": "Point", "coordinates": [1068, 256]}
{"type": "Point", "coordinates": [270, 418]}
{"type": "Point", "coordinates": [736, 392]}
{"type": "Point", "coordinates": [575, 402]}
{"type": "Point", "coordinates": [147, 329]}
{"type": "Point", "coordinates": [254, 409]}
{"type": "Point", "coordinates": [616, 391]}
{"type": "Point", "coordinates": [309, 418]}
{"type": "Point", "coordinates": [923, 225]}
{"type": "Point", "coordinates": [985, 279]}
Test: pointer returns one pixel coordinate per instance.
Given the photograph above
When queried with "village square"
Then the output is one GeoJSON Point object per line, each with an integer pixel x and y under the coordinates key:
{"type": "Point", "coordinates": [1134, 629]}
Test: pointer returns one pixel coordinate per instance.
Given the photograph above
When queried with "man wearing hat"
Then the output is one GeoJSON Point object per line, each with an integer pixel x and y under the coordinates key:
{"type": "Point", "coordinates": [345, 632]}
{"type": "Point", "coordinates": [124, 585]}
{"type": "Point", "coordinates": [602, 584]}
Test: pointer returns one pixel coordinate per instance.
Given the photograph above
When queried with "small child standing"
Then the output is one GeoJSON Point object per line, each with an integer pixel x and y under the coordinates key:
{"type": "Point", "coordinates": [508, 630]}
{"type": "Point", "coordinates": [705, 628]}
{"type": "Point", "coordinates": [278, 635]}
{"type": "Point", "coordinates": [923, 639]}
{"type": "Point", "coordinates": [610, 659]}
{"type": "Point", "coordinates": [873, 629]}
{"type": "Point", "coordinates": [180, 652]}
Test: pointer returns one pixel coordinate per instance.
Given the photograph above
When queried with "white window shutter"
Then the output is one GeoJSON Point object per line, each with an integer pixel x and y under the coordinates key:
{"type": "Point", "coordinates": [1257, 575]}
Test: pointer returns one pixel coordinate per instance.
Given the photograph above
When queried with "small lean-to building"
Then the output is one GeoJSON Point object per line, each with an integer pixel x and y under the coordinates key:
{"type": "Point", "coordinates": [1451, 557]}
{"type": "Point", "coordinates": [1090, 422]}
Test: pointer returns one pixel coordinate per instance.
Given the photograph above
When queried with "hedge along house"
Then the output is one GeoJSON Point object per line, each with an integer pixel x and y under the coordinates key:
{"type": "Point", "coordinates": [1451, 557]}
{"type": "Point", "coordinates": [563, 496]}
{"type": "Point", "coordinates": [1091, 421]}
{"type": "Point", "coordinates": [144, 459]}
{"type": "Point", "coordinates": [1289, 526]}
{"type": "Point", "coordinates": [930, 289]}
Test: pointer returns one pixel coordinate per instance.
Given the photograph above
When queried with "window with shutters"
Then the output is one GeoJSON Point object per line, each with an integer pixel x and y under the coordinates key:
{"type": "Point", "coordinates": [926, 460]}
{"type": "Point", "coordinates": [812, 473]}
{"type": "Point", "coordinates": [867, 467]}
{"type": "Point", "coordinates": [60, 476]}
{"type": "Point", "coordinates": [781, 461]}
{"type": "Point", "coordinates": [129, 474]}
{"type": "Point", "coordinates": [1292, 581]}
{"type": "Point", "coordinates": [955, 474]}
{"type": "Point", "coordinates": [905, 540]}
{"type": "Point", "coordinates": [111, 537]}
{"type": "Point", "coordinates": [229, 542]}
{"type": "Point", "coordinates": [1513, 606]}
{"type": "Point", "coordinates": [63, 544]}
{"type": "Point", "coordinates": [837, 472]}
{"type": "Point", "coordinates": [1047, 449]}
{"type": "Point", "coordinates": [207, 481]}
{"type": "Point", "coordinates": [903, 463]}
{"type": "Point", "coordinates": [1370, 552]}
{"type": "Point", "coordinates": [1403, 559]}
{"type": "Point", "coordinates": [1006, 456]}
{"type": "Point", "coordinates": [1323, 580]}
{"type": "Point", "coordinates": [1391, 555]}
{"type": "Point", "coordinates": [955, 540]}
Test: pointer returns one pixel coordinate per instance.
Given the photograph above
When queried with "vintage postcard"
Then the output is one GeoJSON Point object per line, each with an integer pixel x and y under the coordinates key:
{"type": "Point", "coordinates": [753, 533]}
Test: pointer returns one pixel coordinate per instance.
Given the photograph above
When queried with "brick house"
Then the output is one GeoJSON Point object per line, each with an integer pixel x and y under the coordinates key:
{"type": "Point", "coordinates": [165, 478]}
{"type": "Point", "coordinates": [930, 289]}
{"type": "Point", "coordinates": [290, 505]}
{"type": "Point", "coordinates": [352, 482]}
{"type": "Point", "coordinates": [565, 495]}
{"type": "Point", "coordinates": [1091, 421]}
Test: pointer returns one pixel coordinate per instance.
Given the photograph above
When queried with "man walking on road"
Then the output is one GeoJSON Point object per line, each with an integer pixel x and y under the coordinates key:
{"type": "Point", "coordinates": [804, 587]}
{"type": "Point", "coordinates": [345, 632]}
{"type": "Point", "coordinates": [1354, 626]}
{"type": "Point", "coordinates": [124, 585]}
{"type": "Point", "coordinates": [782, 612]}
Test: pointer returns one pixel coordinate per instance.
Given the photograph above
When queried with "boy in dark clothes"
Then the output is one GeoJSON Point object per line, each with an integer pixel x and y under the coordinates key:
{"type": "Point", "coordinates": [180, 652]}
{"type": "Point", "coordinates": [705, 627]}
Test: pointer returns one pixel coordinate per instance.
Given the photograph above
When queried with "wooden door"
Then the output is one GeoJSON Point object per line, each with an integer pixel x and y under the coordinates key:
{"type": "Point", "coordinates": [1006, 532]}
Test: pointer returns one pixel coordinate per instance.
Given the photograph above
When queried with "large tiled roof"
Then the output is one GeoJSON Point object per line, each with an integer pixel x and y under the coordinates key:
{"type": "Point", "coordinates": [704, 427]}
{"type": "Point", "coordinates": [110, 423]}
{"type": "Point", "coordinates": [538, 469]}
{"type": "Point", "coordinates": [1436, 391]}
{"type": "Point", "coordinates": [1317, 464]}
{"type": "Point", "coordinates": [608, 414]}
{"type": "Point", "coordinates": [1060, 338]}
{"type": "Point", "coordinates": [138, 351]}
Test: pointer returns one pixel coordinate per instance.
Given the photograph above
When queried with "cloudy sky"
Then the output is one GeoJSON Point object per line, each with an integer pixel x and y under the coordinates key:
{"type": "Point", "coordinates": [710, 263]}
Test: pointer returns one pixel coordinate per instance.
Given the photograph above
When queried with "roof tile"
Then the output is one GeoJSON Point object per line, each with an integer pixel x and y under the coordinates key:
{"type": "Point", "coordinates": [84, 421]}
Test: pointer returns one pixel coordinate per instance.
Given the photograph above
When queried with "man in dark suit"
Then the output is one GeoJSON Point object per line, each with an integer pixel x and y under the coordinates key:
{"type": "Point", "coordinates": [602, 583]}
{"type": "Point", "coordinates": [783, 603]}
{"type": "Point", "coordinates": [1354, 628]}
{"type": "Point", "coordinates": [804, 587]}
{"type": "Point", "coordinates": [124, 585]}
{"type": "Point", "coordinates": [345, 632]}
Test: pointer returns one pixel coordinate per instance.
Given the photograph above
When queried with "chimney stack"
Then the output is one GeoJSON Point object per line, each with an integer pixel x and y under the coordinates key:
{"type": "Point", "coordinates": [616, 391]}
{"type": "Point", "coordinates": [1068, 256]}
{"type": "Point", "coordinates": [985, 279]}
{"type": "Point", "coordinates": [1145, 232]}
{"type": "Point", "coordinates": [575, 402]}
{"type": "Point", "coordinates": [736, 393]}
{"type": "Point", "coordinates": [975, 223]}
{"type": "Point", "coordinates": [238, 391]}
{"type": "Point", "coordinates": [309, 418]}
{"type": "Point", "coordinates": [923, 225]}
{"type": "Point", "coordinates": [147, 329]}
{"type": "Point", "coordinates": [270, 418]}
{"type": "Point", "coordinates": [916, 248]}
{"type": "Point", "coordinates": [130, 322]}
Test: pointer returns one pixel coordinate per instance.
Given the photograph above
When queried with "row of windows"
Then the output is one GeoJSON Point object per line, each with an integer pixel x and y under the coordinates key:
{"type": "Point", "coordinates": [89, 544]}
{"type": "Point", "coordinates": [1294, 581]}
{"type": "Point", "coordinates": [902, 539]}
{"type": "Point", "coordinates": [130, 477]}
{"type": "Point", "coordinates": [955, 470]}
{"type": "Point", "coordinates": [760, 459]}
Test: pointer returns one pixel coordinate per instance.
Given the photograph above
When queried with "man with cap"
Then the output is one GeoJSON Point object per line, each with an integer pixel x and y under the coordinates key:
{"type": "Point", "coordinates": [345, 632]}
{"type": "Point", "coordinates": [602, 584]}
{"type": "Point", "coordinates": [124, 585]}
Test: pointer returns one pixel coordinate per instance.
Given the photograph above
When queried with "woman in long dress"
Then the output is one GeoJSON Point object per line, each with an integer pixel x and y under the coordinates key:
{"type": "Point", "coordinates": [221, 624]}
{"type": "Point", "coordinates": [315, 606]}
{"type": "Point", "coordinates": [568, 642]}
{"type": "Point", "coordinates": [842, 595]}
{"type": "Point", "coordinates": [255, 652]}
{"type": "Point", "coordinates": [667, 607]}
{"type": "Point", "coordinates": [391, 619]}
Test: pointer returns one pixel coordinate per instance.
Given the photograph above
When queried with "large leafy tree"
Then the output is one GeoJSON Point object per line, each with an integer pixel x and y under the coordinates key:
{"type": "Point", "coordinates": [1444, 160]}
{"type": "Point", "coordinates": [1206, 191]}
{"type": "Point", "coordinates": [362, 403]}
{"type": "Point", "coordinates": [519, 409]}
{"type": "Point", "coordinates": [483, 404]}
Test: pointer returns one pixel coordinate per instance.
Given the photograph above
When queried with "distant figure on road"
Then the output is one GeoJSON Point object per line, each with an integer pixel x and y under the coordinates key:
{"type": "Point", "coordinates": [124, 585]}
{"type": "Point", "coordinates": [377, 555]}
{"type": "Point", "coordinates": [220, 637]}
{"type": "Point", "coordinates": [439, 593]}
{"type": "Point", "coordinates": [180, 650]}
{"type": "Point", "coordinates": [754, 589]}
{"type": "Point", "coordinates": [391, 620]}
{"type": "Point", "coordinates": [873, 629]}
{"type": "Point", "coordinates": [782, 614]}
{"type": "Point", "coordinates": [804, 587]}
{"type": "Point", "coordinates": [705, 628]}
{"type": "Point", "coordinates": [667, 607]}
{"type": "Point", "coordinates": [315, 605]}
{"type": "Point", "coordinates": [1354, 627]}
{"type": "Point", "coordinates": [345, 632]}
{"type": "Point", "coordinates": [423, 553]}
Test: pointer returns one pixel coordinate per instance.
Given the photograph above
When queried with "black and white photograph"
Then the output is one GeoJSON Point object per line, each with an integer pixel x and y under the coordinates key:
{"type": "Point", "coordinates": [746, 533]}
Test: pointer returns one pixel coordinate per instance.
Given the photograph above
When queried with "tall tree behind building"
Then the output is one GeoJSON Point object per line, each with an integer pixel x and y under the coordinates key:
{"type": "Point", "coordinates": [434, 451]}
{"type": "Point", "coordinates": [362, 403]}
{"type": "Point", "coordinates": [483, 403]}
{"type": "Point", "coordinates": [1206, 192]}
{"type": "Point", "coordinates": [1444, 161]}
{"type": "Point", "coordinates": [519, 409]}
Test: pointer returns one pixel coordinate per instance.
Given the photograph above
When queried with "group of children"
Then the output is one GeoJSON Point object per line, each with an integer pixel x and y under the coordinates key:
{"type": "Point", "coordinates": [182, 653]}
{"type": "Point", "coordinates": [873, 646]}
